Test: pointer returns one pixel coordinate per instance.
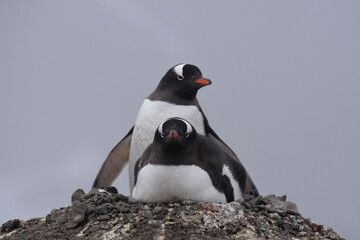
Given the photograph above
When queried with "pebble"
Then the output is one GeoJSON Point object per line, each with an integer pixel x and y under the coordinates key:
{"type": "Point", "coordinates": [120, 197]}
{"type": "Point", "coordinates": [145, 214]}
{"type": "Point", "coordinates": [104, 217]}
{"type": "Point", "coordinates": [101, 210]}
{"type": "Point", "coordinates": [255, 200]}
{"type": "Point", "coordinates": [157, 210]}
{"type": "Point", "coordinates": [125, 210]}
{"type": "Point", "coordinates": [287, 225]}
{"type": "Point", "coordinates": [246, 205]}
{"type": "Point", "coordinates": [155, 223]}
{"type": "Point", "coordinates": [302, 234]}
{"type": "Point", "coordinates": [274, 216]}
{"type": "Point", "coordinates": [77, 195]}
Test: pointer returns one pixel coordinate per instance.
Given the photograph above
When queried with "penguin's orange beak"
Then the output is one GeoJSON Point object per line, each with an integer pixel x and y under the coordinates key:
{"type": "Point", "coordinates": [203, 81]}
{"type": "Point", "coordinates": [173, 134]}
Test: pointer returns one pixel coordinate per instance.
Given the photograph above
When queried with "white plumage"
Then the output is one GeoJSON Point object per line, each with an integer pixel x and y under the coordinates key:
{"type": "Point", "coordinates": [159, 183]}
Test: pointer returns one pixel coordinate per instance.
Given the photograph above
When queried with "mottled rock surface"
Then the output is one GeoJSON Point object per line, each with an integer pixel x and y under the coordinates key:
{"type": "Point", "coordinates": [108, 215]}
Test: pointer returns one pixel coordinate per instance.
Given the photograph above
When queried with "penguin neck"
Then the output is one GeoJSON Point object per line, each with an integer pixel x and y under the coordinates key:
{"type": "Point", "coordinates": [180, 157]}
{"type": "Point", "coordinates": [167, 95]}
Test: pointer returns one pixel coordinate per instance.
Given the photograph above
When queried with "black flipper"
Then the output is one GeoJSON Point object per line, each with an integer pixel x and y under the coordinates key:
{"type": "Point", "coordinates": [114, 163]}
{"type": "Point", "coordinates": [249, 187]}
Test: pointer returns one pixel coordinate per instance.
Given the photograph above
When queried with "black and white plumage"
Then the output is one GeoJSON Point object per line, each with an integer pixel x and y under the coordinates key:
{"type": "Point", "coordinates": [175, 96]}
{"type": "Point", "coordinates": [180, 164]}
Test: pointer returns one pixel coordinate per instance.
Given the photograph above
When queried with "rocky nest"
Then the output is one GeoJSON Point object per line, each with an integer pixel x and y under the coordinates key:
{"type": "Point", "coordinates": [109, 215]}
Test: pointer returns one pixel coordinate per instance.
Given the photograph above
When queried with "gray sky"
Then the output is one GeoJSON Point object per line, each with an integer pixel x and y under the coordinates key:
{"type": "Point", "coordinates": [285, 94]}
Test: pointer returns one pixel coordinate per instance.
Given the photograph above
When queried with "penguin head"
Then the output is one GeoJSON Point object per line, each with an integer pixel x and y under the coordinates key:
{"type": "Point", "coordinates": [175, 135]}
{"type": "Point", "coordinates": [184, 80]}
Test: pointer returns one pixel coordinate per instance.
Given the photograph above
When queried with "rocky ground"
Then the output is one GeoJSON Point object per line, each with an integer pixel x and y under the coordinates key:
{"type": "Point", "coordinates": [106, 215]}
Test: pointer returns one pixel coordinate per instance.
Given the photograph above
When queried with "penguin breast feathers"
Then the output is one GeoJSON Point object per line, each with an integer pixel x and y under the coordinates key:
{"type": "Point", "coordinates": [159, 183]}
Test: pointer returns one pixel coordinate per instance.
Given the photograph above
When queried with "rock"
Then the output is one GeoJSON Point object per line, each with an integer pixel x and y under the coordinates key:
{"type": "Point", "coordinates": [145, 214]}
{"type": "Point", "coordinates": [101, 210]}
{"type": "Point", "coordinates": [77, 215]}
{"type": "Point", "coordinates": [278, 205]}
{"type": "Point", "coordinates": [286, 224]}
{"type": "Point", "coordinates": [255, 200]}
{"type": "Point", "coordinates": [98, 215]}
{"type": "Point", "coordinates": [10, 225]}
{"type": "Point", "coordinates": [274, 216]}
{"type": "Point", "coordinates": [77, 195]}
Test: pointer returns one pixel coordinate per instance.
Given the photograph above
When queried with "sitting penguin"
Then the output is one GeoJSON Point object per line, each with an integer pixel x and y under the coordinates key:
{"type": "Point", "coordinates": [181, 164]}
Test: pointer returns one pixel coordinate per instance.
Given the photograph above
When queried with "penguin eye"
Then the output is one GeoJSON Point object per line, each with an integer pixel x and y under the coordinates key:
{"type": "Point", "coordinates": [162, 135]}
{"type": "Point", "coordinates": [187, 135]}
{"type": "Point", "coordinates": [180, 77]}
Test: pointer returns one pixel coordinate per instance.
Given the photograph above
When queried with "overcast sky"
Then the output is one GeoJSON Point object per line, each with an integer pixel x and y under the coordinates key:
{"type": "Point", "coordinates": [285, 94]}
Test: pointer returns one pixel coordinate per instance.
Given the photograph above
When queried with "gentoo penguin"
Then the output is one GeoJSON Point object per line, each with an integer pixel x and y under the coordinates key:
{"type": "Point", "coordinates": [180, 164]}
{"type": "Point", "coordinates": [175, 96]}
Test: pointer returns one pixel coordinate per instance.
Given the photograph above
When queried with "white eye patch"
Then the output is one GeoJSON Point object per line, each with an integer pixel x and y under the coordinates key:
{"type": "Point", "coordinates": [160, 128]}
{"type": "Point", "coordinates": [179, 70]}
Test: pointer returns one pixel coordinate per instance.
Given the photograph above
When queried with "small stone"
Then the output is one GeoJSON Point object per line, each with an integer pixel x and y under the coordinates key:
{"type": "Point", "coordinates": [103, 217]}
{"type": "Point", "coordinates": [292, 218]}
{"type": "Point", "coordinates": [283, 198]}
{"type": "Point", "coordinates": [308, 221]}
{"type": "Point", "coordinates": [246, 205]}
{"type": "Point", "coordinates": [306, 228]}
{"type": "Point", "coordinates": [155, 223]}
{"type": "Point", "coordinates": [120, 197]}
{"type": "Point", "coordinates": [99, 201]}
{"type": "Point", "coordinates": [125, 210]}
{"type": "Point", "coordinates": [243, 223]}
{"type": "Point", "coordinates": [268, 207]}
{"type": "Point", "coordinates": [264, 213]}
{"type": "Point", "coordinates": [285, 224]}
{"type": "Point", "coordinates": [89, 211]}
{"type": "Point", "coordinates": [107, 199]}
{"type": "Point", "coordinates": [268, 196]}
{"type": "Point", "coordinates": [255, 200]}
{"type": "Point", "coordinates": [75, 221]}
{"type": "Point", "coordinates": [316, 227]}
{"type": "Point", "coordinates": [90, 195]}
{"type": "Point", "coordinates": [296, 228]}
{"type": "Point", "coordinates": [302, 234]}
{"type": "Point", "coordinates": [187, 202]}
{"type": "Point", "coordinates": [95, 228]}
{"type": "Point", "coordinates": [274, 216]}
{"type": "Point", "coordinates": [235, 204]}
{"type": "Point", "coordinates": [101, 210]}
{"type": "Point", "coordinates": [105, 227]}
{"type": "Point", "coordinates": [248, 197]}
{"type": "Point", "coordinates": [77, 195]}
{"type": "Point", "coordinates": [10, 225]}
{"type": "Point", "coordinates": [157, 210]}
{"type": "Point", "coordinates": [291, 208]}
{"type": "Point", "coordinates": [333, 236]}
{"type": "Point", "coordinates": [145, 214]}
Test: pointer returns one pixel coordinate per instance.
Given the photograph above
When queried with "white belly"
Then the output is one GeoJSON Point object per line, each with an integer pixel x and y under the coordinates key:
{"type": "Point", "coordinates": [150, 115]}
{"type": "Point", "coordinates": [160, 183]}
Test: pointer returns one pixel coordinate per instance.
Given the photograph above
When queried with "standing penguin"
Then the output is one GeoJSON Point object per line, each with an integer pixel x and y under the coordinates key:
{"type": "Point", "coordinates": [180, 164]}
{"type": "Point", "coordinates": [175, 96]}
